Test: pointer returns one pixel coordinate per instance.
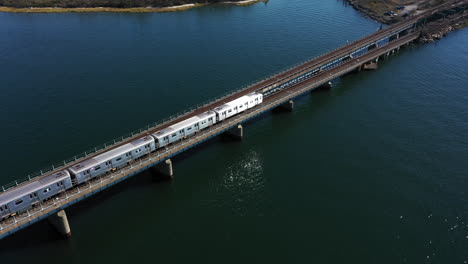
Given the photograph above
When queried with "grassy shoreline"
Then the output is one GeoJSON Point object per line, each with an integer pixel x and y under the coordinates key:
{"type": "Point", "coordinates": [124, 10]}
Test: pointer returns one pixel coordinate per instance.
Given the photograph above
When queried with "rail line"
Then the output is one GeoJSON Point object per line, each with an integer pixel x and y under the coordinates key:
{"type": "Point", "coordinates": [272, 81]}
{"type": "Point", "coordinates": [299, 80]}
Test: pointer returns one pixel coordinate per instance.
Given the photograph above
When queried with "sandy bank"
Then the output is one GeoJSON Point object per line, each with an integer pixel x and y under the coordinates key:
{"type": "Point", "coordinates": [125, 10]}
{"type": "Point", "coordinates": [100, 9]}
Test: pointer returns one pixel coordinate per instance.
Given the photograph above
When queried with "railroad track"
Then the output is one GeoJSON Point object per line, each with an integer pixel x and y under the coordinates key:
{"type": "Point", "coordinates": [276, 79]}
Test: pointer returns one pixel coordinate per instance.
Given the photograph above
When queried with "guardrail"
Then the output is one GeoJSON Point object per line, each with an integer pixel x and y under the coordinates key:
{"type": "Point", "coordinates": [71, 196]}
{"type": "Point", "coordinates": [64, 164]}
{"type": "Point", "coordinates": [150, 127]}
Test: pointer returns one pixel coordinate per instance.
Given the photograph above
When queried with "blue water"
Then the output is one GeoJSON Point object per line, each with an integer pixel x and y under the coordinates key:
{"type": "Point", "coordinates": [373, 171]}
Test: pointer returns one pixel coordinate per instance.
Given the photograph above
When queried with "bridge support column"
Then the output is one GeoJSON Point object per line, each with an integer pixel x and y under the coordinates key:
{"type": "Point", "coordinates": [165, 169]}
{"type": "Point", "coordinates": [59, 221]}
{"type": "Point", "coordinates": [236, 132]}
{"type": "Point", "coordinates": [288, 106]}
{"type": "Point", "coordinates": [370, 66]}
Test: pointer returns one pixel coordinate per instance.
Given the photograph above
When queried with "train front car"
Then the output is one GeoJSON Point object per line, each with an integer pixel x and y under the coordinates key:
{"type": "Point", "coordinates": [23, 197]}
{"type": "Point", "coordinates": [257, 98]}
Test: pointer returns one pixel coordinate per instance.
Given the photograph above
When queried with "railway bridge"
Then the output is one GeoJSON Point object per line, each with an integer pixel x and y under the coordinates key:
{"type": "Point", "coordinates": [278, 90]}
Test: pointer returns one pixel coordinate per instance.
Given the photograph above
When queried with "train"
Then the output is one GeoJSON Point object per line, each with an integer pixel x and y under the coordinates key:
{"type": "Point", "coordinates": [26, 196]}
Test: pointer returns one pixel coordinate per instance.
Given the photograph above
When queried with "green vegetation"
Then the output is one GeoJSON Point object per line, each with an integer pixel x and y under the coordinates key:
{"type": "Point", "coordinates": [101, 3]}
{"type": "Point", "coordinates": [461, 26]}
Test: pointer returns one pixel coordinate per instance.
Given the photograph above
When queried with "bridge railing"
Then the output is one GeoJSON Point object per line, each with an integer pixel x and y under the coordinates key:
{"type": "Point", "coordinates": [63, 164]}
{"type": "Point", "coordinates": [161, 154]}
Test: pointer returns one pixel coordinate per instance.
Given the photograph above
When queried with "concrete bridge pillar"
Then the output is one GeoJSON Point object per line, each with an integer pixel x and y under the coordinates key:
{"type": "Point", "coordinates": [236, 132]}
{"type": "Point", "coordinates": [165, 169]}
{"type": "Point", "coordinates": [288, 106]}
{"type": "Point", "coordinates": [370, 66]}
{"type": "Point", "coordinates": [59, 221]}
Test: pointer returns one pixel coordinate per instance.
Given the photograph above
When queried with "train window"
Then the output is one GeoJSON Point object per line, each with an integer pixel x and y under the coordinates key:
{"type": "Point", "coordinates": [6, 207]}
{"type": "Point", "coordinates": [210, 119]}
{"type": "Point", "coordinates": [31, 196]}
{"type": "Point", "coordinates": [189, 128]}
{"type": "Point", "coordinates": [1, 209]}
{"type": "Point", "coordinates": [58, 184]}
{"type": "Point", "coordinates": [119, 158]}
{"type": "Point", "coordinates": [19, 202]}
{"type": "Point", "coordinates": [46, 190]}
{"type": "Point", "coordinates": [173, 135]}
{"type": "Point", "coordinates": [97, 168]}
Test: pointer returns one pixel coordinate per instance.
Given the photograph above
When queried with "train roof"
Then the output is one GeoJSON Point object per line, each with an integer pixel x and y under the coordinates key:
{"type": "Point", "coordinates": [114, 153]}
{"type": "Point", "coordinates": [164, 132]}
{"type": "Point", "coordinates": [89, 163]}
{"type": "Point", "coordinates": [222, 108]}
{"type": "Point", "coordinates": [142, 141]}
{"type": "Point", "coordinates": [54, 177]}
{"type": "Point", "coordinates": [206, 114]}
{"type": "Point", "coordinates": [84, 165]}
{"type": "Point", "coordinates": [32, 186]}
{"type": "Point", "coordinates": [254, 94]}
{"type": "Point", "coordinates": [185, 123]}
{"type": "Point", "coordinates": [238, 101]}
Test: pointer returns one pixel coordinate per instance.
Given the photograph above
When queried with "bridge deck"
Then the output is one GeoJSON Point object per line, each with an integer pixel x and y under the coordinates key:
{"type": "Point", "coordinates": [275, 79]}
{"type": "Point", "coordinates": [74, 195]}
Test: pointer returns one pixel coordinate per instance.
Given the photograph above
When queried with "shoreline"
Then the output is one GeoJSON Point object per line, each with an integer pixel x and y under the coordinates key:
{"type": "Point", "coordinates": [434, 30]}
{"type": "Point", "coordinates": [123, 10]}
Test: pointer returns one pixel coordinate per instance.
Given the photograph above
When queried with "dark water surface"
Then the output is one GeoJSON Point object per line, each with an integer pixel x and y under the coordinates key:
{"type": "Point", "coordinates": [373, 171]}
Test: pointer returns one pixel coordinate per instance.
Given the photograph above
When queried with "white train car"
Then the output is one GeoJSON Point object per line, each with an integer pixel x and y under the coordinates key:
{"type": "Point", "coordinates": [237, 106]}
{"type": "Point", "coordinates": [255, 99]}
{"type": "Point", "coordinates": [112, 159]}
{"type": "Point", "coordinates": [232, 108]}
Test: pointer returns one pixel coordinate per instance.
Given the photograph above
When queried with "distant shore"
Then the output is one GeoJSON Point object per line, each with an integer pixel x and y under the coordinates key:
{"type": "Point", "coordinates": [379, 10]}
{"type": "Point", "coordinates": [125, 10]}
{"type": "Point", "coordinates": [389, 12]}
